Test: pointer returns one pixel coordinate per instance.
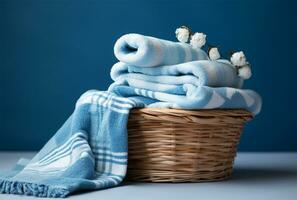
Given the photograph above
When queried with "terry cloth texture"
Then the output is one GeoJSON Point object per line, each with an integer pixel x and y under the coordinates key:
{"type": "Point", "coordinates": [145, 51]}
{"type": "Point", "coordinates": [202, 84]}
{"type": "Point", "coordinates": [88, 152]}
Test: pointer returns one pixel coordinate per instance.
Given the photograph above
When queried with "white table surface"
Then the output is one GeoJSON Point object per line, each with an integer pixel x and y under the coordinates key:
{"type": "Point", "coordinates": [271, 176]}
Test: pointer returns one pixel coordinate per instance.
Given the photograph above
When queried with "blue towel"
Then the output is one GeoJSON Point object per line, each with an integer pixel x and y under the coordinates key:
{"type": "Point", "coordinates": [177, 79]}
{"type": "Point", "coordinates": [203, 97]}
{"type": "Point", "coordinates": [202, 84]}
{"type": "Point", "coordinates": [88, 152]}
{"type": "Point", "coordinates": [145, 51]}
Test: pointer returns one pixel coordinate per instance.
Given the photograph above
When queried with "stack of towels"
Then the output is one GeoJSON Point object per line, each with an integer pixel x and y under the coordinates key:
{"type": "Point", "coordinates": [162, 74]}
{"type": "Point", "coordinates": [89, 151]}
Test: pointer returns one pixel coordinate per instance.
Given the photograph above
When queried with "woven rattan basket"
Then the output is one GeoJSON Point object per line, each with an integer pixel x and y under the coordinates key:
{"type": "Point", "coordinates": [170, 145]}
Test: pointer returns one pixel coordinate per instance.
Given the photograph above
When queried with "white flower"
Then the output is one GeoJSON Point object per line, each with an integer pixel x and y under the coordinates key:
{"type": "Point", "coordinates": [182, 34]}
{"type": "Point", "coordinates": [214, 53]}
{"type": "Point", "coordinates": [198, 40]}
{"type": "Point", "coordinates": [238, 59]}
{"type": "Point", "coordinates": [245, 72]}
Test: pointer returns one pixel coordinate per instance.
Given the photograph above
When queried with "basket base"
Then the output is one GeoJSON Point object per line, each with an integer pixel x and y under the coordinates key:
{"type": "Point", "coordinates": [159, 177]}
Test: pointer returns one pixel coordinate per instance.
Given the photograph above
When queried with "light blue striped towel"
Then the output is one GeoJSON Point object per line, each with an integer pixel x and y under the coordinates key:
{"type": "Point", "coordinates": [202, 84]}
{"type": "Point", "coordinates": [88, 152]}
{"type": "Point", "coordinates": [146, 51]}
{"type": "Point", "coordinates": [203, 97]}
{"type": "Point", "coordinates": [177, 79]}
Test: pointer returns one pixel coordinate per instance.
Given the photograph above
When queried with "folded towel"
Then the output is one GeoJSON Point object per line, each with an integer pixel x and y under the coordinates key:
{"type": "Point", "coordinates": [177, 79]}
{"type": "Point", "coordinates": [88, 152]}
{"type": "Point", "coordinates": [145, 51]}
{"type": "Point", "coordinates": [202, 97]}
{"type": "Point", "coordinates": [200, 84]}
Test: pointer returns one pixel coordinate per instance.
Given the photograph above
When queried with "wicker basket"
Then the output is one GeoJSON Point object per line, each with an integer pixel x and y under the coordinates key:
{"type": "Point", "coordinates": [170, 145]}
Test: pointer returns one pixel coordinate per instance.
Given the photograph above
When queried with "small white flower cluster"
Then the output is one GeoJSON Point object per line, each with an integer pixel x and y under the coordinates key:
{"type": "Point", "coordinates": [198, 40]}
{"type": "Point", "coordinates": [238, 59]}
{"type": "Point", "coordinates": [214, 53]}
{"type": "Point", "coordinates": [184, 34]}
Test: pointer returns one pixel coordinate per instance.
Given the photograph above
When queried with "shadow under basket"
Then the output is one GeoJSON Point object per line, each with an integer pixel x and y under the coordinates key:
{"type": "Point", "coordinates": [172, 145]}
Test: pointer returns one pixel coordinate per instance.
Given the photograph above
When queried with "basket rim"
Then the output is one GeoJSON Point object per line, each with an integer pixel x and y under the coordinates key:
{"type": "Point", "coordinates": [202, 112]}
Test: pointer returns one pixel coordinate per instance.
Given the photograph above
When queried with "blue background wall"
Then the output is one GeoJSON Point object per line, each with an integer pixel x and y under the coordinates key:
{"type": "Point", "coordinates": [52, 51]}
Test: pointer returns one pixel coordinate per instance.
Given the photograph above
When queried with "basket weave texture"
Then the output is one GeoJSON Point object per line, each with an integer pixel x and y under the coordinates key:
{"type": "Point", "coordinates": [172, 145]}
